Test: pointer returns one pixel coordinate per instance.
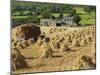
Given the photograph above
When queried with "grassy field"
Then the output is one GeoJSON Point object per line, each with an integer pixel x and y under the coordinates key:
{"type": "Point", "coordinates": [80, 10]}
{"type": "Point", "coordinates": [57, 14]}
{"type": "Point", "coordinates": [86, 18]}
{"type": "Point", "coordinates": [20, 17]}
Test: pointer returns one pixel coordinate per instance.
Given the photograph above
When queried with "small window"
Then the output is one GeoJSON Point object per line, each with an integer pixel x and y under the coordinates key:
{"type": "Point", "coordinates": [58, 24]}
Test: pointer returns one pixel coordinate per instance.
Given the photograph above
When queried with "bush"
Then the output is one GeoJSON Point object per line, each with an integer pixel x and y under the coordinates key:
{"type": "Point", "coordinates": [46, 14]}
{"type": "Point", "coordinates": [77, 18]}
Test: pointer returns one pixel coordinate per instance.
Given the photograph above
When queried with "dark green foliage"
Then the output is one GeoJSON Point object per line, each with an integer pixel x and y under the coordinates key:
{"type": "Point", "coordinates": [46, 14]}
{"type": "Point", "coordinates": [18, 21]}
{"type": "Point", "coordinates": [55, 9]}
{"type": "Point", "coordinates": [53, 17]}
{"type": "Point", "coordinates": [72, 12]}
{"type": "Point", "coordinates": [60, 16]}
{"type": "Point", "coordinates": [37, 10]}
{"type": "Point", "coordinates": [77, 18]}
{"type": "Point", "coordinates": [89, 9]}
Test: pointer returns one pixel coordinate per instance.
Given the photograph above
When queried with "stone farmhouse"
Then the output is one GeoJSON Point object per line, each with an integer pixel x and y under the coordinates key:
{"type": "Point", "coordinates": [65, 21]}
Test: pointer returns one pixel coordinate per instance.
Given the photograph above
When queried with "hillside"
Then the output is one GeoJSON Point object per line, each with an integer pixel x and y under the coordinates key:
{"type": "Point", "coordinates": [32, 11]}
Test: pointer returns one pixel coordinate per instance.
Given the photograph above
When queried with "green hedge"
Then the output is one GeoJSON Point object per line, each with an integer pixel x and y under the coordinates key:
{"type": "Point", "coordinates": [27, 20]}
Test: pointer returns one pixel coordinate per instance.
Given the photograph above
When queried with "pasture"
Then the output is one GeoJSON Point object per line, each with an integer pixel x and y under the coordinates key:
{"type": "Point", "coordinates": [86, 18]}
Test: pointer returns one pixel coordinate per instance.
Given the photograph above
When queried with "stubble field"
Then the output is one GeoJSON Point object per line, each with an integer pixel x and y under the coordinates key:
{"type": "Point", "coordinates": [57, 49]}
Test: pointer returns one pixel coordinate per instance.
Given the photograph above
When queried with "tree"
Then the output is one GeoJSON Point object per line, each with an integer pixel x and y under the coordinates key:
{"type": "Point", "coordinates": [72, 12]}
{"type": "Point", "coordinates": [38, 11]}
{"type": "Point", "coordinates": [33, 8]}
{"type": "Point", "coordinates": [54, 9]}
{"type": "Point", "coordinates": [76, 19]}
{"type": "Point", "coordinates": [53, 17]}
{"type": "Point", "coordinates": [46, 14]}
{"type": "Point", "coordinates": [68, 8]}
{"type": "Point", "coordinates": [87, 9]}
{"type": "Point", "coordinates": [60, 16]}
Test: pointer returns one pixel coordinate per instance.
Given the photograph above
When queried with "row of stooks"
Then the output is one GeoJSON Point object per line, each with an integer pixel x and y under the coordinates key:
{"type": "Point", "coordinates": [48, 45]}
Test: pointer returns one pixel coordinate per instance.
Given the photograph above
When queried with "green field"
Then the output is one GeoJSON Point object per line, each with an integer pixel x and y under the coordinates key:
{"type": "Point", "coordinates": [86, 18]}
{"type": "Point", "coordinates": [20, 17]}
{"type": "Point", "coordinates": [57, 14]}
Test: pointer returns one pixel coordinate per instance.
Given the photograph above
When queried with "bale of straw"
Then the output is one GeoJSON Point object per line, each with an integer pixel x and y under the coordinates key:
{"type": "Point", "coordinates": [14, 43]}
{"type": "Point", "coordinates": [39, 42]}
{"type": "Point", "coordinates": [42, 36]}
{"type": "Point", "coordinates": [20, 46]}
{"type": "Point", "coordinates": [69, 40]}
{"type": "Point", "coordinates": [84, 42]}
{"type": "Point", "coordinates": [75, 43]}
{"type": "Point", "coordinates": [64, 48]}
{"type": "Point", "coordinates": [61, 39]}
{"type": "Point", "coordinates": [84, 62]}
{"type": "Point", "coordinates": [46, 39]}
{"type": "Point", "coordinates": [30, 41]}
{"type": "Point", "coordinates": [46, 51]}
{"type": "Point", "coordinates": [25, 43]}
{"type": "Point", "coordinates": [89, 39]}
{"type": "Point", "coordinates": [18, 60]}
{"type": "Point", "coordinates": [57, 45]}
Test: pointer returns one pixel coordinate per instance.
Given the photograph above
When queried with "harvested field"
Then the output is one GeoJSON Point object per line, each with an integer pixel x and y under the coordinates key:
{"type": "Point", "coordinates": [58, 49]}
